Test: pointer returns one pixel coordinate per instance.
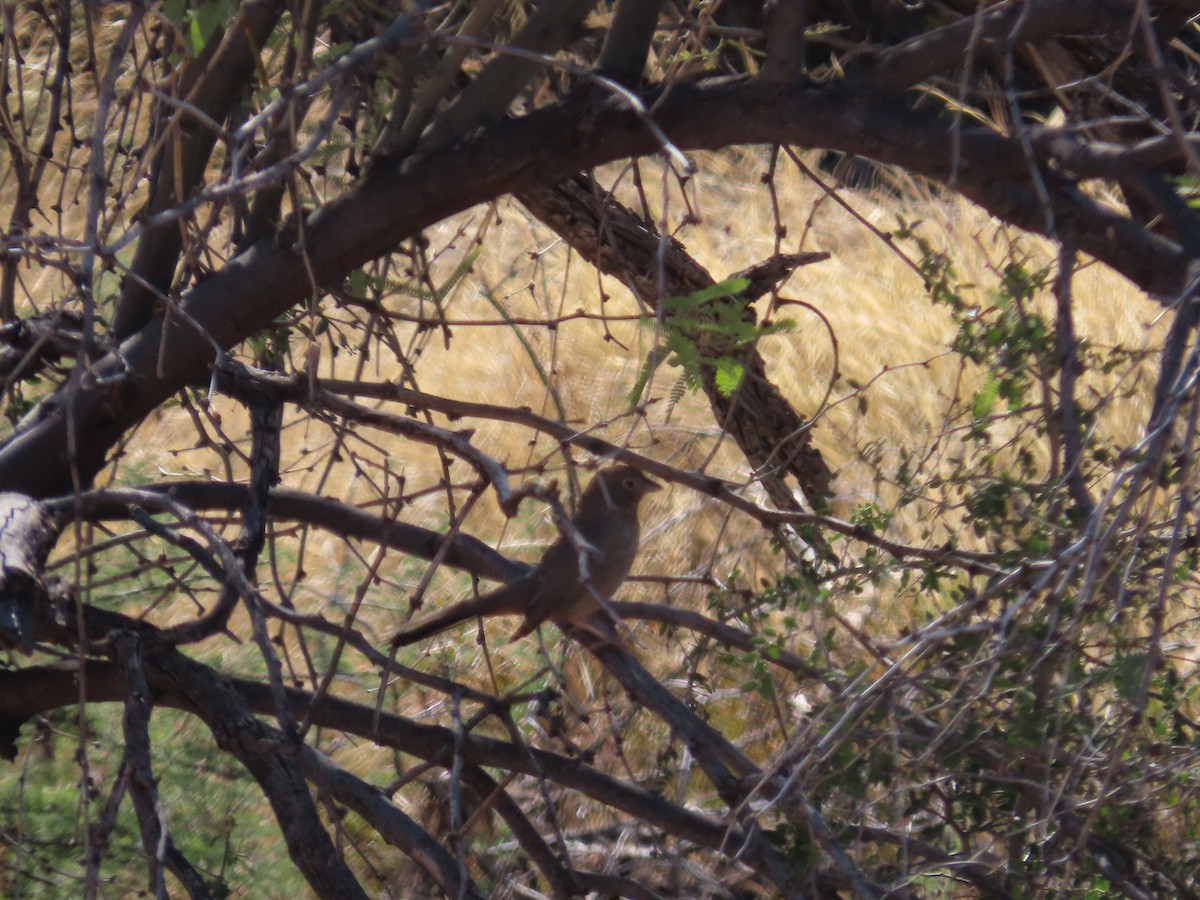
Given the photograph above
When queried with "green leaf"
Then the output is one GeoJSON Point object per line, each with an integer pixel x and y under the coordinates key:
{"type": "Point", "coordinates": [205, 23]}
{"type": "Point", "coordinates": [173, 11]}
{"type": "Point", "coordinates": [194, 37]}
{"type": "Point", "coordinates": [727, 288]}
{"type": "Point", "coordinates": [644, 371]}
{"type": "Point", "coordinates": [729, 375]}
{"type": "Point", "coordinates": [985, 398]}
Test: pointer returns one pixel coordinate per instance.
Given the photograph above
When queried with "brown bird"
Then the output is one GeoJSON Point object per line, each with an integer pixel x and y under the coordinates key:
{"type": "Point", "coordinates": [554, 589]}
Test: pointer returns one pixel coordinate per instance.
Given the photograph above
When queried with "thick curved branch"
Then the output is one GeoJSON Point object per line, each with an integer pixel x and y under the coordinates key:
{"type": "Point", "coordinates": [550, 28]}
{"type": "Point", "coordinates": [992, 32]}
{"type": "Point", "coordinates": [210, 84]}
{"type": "Point", "coordinates": [466, 553]}
{"type": "Point", "coordinates": [627, 42]}
{"type": "Point", "coordinates": [261, 750]}
{"type": "Point", "coordinates": [37, 689]}
{"type": "Point", "coordinates": [392, 824]}
{"type": "Point", "coordinates": [26, 538]}
{"type": "Point", "coordinates": [543, 147]}
{"type": "Point", "coordinates": [771, 434]}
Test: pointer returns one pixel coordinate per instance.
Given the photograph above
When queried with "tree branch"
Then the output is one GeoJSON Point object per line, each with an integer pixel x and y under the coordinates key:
{"type": "Point", "coordinates": [542, 147]}
{"type": "Point", "coordinates": [38, 689]}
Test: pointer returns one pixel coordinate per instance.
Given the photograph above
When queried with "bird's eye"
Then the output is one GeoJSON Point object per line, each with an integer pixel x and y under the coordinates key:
{"type": "Point", "coordinates": [629, 482]}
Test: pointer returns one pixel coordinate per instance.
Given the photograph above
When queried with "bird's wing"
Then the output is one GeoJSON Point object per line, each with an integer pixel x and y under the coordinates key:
{"type": "Point", "coordinates": [508, 600]}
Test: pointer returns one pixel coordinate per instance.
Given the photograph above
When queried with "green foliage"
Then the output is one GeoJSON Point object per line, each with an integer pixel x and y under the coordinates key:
{"type": "Point", "coordinates": [872, 516]}
{"type": "Point", "coordinates": [440, 291]}
{"type": "Point", "coordinates": [979, 708]}
{"type": "Point", "coordinates": [703, 331]}
{"type": "Point", "coordinates": [22, 398]}
{"type": "Point", "coordinates": [1011, 340]}
{"type": "Point", "coordinates": [199, 21]}
{"type": "Point", "coordinates": [44, 806]}
{"type": "Point", "coordinates": [981, 673]}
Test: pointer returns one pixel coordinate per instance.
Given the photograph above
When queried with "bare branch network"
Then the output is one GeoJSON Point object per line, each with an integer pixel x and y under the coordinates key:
{"type": "Point", "coordinates": [316, 317]}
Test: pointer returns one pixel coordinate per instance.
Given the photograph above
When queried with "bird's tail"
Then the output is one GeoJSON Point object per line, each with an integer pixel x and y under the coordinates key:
{"type": "Point", "coordinates": [502, 602]}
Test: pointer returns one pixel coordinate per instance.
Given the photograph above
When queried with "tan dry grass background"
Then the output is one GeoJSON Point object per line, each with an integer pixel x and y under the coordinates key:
{"type": "Point", "coordinates": [875, 303]}
{"type": "Point", "coordinates": [890, 338]}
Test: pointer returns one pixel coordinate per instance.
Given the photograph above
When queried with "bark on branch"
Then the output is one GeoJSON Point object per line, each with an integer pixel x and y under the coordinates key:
{"type": "Point", "coordinates": [541, 148]}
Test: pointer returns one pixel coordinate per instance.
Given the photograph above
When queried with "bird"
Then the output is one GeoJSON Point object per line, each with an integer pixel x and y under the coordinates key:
{"type": "Point", "coordinates": [555, 590]}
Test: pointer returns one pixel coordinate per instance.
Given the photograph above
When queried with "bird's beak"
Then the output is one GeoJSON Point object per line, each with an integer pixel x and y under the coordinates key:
{"type": "Point", "coordinates": [652, 486]}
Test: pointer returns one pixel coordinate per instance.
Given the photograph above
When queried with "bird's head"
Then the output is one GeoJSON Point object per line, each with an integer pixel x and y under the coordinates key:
{"type": "Point", "coordinates": [622, 487]}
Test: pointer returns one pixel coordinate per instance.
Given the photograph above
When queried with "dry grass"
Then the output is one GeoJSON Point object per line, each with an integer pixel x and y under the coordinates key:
{"type": "Point", "coordinates": [891, 341]}
{"type": "Point", "coordinates": [893, 388]}
{"type": "Point", "coordinates": [889, 338]}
